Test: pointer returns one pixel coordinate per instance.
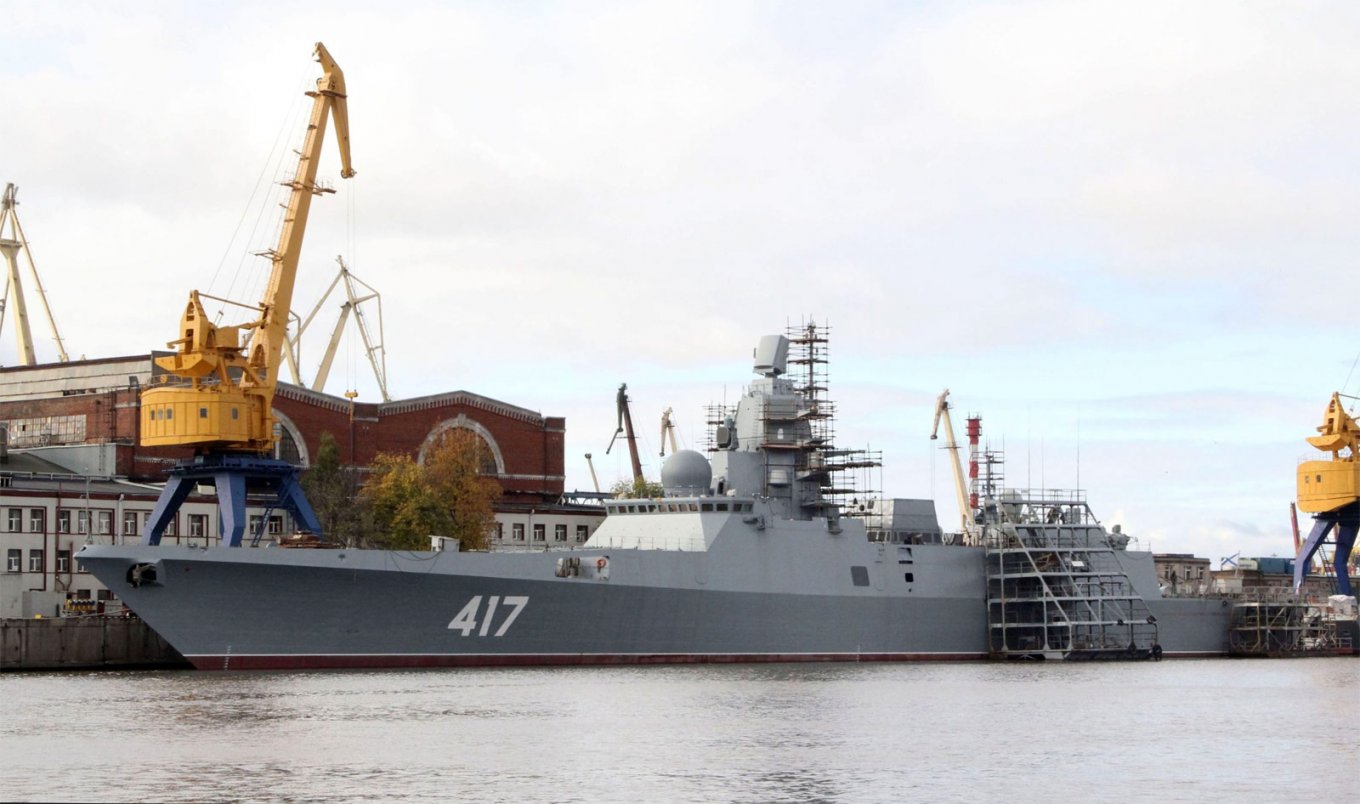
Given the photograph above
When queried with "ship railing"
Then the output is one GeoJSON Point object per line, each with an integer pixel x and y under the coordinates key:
{"type": "Point", "coordinates": [679, 544]}
{"type": "Point", "coordinates": [1041, 536]}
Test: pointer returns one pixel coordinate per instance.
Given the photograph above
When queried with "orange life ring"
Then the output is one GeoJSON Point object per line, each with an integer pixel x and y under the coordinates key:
{"type": "Point", "coordinates": [601, 563]}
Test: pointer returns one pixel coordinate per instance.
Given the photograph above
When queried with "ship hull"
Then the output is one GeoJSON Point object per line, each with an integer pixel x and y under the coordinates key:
{"type": "Point", "coordinates": [227, 608]}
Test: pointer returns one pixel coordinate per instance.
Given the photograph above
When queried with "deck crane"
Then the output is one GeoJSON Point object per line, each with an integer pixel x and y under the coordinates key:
{"type": "Point", "coordinates": [960, 485]}
{"type": "Point", "coordinates": [1330, 491]}
{"type": "Point", "coordinates": [667, 432]}
{"type": "Point", "coordinates": [11, 246]}
{"type": "Point", "coordinates": [625, 429]}
{"type": "Point", "coordinates": [216, 394]}
{"type": "Point", "coordinates": [354, 297]}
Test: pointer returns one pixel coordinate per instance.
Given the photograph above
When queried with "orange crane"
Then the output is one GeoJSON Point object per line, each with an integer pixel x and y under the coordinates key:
{"type": "Point", "coordinates": [216, 394]}
{"type": "Point", "coordinates": [1330, 491]}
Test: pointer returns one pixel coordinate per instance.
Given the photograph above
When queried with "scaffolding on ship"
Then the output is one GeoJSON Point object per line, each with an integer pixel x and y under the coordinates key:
{"type": "Point", "coordinates": [847, 479]}
{"type": "Point", "coordinates": [1055, 588]}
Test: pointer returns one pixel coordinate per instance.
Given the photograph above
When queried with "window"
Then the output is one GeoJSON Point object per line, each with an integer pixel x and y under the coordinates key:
{"type": "Point", "coordinates": [171, 528]}
{"type": "Point", "coordinates": [500, 531]}
{"type": "Point", "coordinates": [37, 520]}
{"type": "Point", "coordinates": [540, 532]}
{"type": "Point", "coordinates": [16, 520]}
{"type": "Point", "coordinates": [82, 521]}
{"type": "Point", "coordinates": [63, 561]}
{"type": "Point", "coordinates": [582, 532]}
{"type": "Point", "coordinates": [517, 531]}
{"type": "Point", "coordinates": [559, 533]}
{"type": "Point", "coordinates": [63, 521]}
{"type": "Point", "coordinates": [202, 413]}
{"type": "Point", "coordinates": [82, 594]}
{"type": "Point", "coordinates": [276, 524]}
{"type": "Point", "coordinates": [198, 525]}
{"type": "Point", "coordinates": [860, 576]}
{"type": "Point", "coordinates": [103, 521]}
{"type": "Point", "coordinates": [103, 594]}
{"type": "Point", "coordinates": [35, 561]}
{"type": "Point", "coordinates": [129, 523]}
{"type": "Point", "coordinates": [13, 562]}
{"type": "Point", "coordinates": [910, 577]}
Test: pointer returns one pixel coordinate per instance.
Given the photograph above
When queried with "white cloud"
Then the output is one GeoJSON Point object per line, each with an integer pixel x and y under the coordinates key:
{"type": "Point", "coordinates": [1130, 216]}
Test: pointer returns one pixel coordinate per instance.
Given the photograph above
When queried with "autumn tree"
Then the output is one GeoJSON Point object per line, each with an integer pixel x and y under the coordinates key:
{"type": "Point", "coordinates": [333, 491]}
{"type": "Point", "coordinates": [450, 494]}
{"type": "Point", "coordinates": [639, 488]}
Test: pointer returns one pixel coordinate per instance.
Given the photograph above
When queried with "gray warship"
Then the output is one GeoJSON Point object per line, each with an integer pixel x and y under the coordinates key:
{"type": "Point", "coordinates": [751, 555]}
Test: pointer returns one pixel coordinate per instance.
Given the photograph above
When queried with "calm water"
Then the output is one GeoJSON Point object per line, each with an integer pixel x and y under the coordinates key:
{"type": "Point", "coordinates": [1176, 730]}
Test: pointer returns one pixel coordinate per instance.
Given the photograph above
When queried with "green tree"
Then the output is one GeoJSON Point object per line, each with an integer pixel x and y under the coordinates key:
{"type": "Point", "coordinates": [333, 491]}
{"type": "Point", "coordinates": [449, 495]}
{"type": "Point", "coordinates": [640, 488]}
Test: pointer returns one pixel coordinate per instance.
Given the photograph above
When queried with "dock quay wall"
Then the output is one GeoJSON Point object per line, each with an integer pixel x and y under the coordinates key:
{"type": "Point", "coordinates": [70, 643]}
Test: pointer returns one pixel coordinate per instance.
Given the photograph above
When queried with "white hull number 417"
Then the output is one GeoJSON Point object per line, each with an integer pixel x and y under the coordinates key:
{"type": "Point", "coordinates": [467, 620]}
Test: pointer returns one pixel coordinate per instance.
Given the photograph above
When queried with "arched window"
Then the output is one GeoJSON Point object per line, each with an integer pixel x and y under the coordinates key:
{"type": "Point", "coordinates": [290, 447]}
{"type": "Point", "coordinates": [493, 463]}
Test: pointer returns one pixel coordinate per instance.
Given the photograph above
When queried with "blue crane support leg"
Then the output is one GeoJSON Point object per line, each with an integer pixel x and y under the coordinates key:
{"type": "Point", "coordinates": [1347, 523]}
{"type": "Point", "coordinates": [235, 477]}
{"type": "Point", "coordinates": [231, 507]}
{"type": "Point", "coordinates": [172, 497]}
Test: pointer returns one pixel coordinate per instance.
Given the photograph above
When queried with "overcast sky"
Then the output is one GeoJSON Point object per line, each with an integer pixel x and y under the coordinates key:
{"type": "Point", "coordinates": [1122, 232]}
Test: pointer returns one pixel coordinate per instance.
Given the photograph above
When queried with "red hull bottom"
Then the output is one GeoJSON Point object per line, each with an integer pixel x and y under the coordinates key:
{"type": "Point", "coordinates": [334, 662]}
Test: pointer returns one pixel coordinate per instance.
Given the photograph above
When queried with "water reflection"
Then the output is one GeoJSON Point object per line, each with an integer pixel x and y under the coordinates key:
{"type": "Point", "coordinates": [1210, 729]}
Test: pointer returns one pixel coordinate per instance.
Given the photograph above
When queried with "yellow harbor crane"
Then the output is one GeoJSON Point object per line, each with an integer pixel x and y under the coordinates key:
{"type": "Point", "coordinates": [217, 393]}
{"type": "Point", "coordinates": [960, 485]}
{"type": "Point", "coordinates": [1330, 491]}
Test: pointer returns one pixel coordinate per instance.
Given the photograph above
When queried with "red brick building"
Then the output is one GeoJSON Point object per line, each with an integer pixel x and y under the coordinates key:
{"type": "Point", "coordinates": [89, 412]}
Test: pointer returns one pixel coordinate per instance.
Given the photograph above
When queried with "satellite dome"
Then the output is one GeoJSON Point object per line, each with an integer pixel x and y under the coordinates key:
{"type": "Point", "coordinates": [686, 474]}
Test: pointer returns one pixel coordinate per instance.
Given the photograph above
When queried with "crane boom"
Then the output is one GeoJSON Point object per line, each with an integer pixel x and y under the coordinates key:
{"type": "Point", "coordinates": [329, 100]}
{"type": "Point", "coordinates": [667, 432]}
{"type": "Point", "coordinates": [960, 484]}
{"type": "Point", "coordinates": [626, 429]}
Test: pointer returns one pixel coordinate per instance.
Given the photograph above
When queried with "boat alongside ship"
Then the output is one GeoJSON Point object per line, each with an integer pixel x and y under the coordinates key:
{"type": "Point", "coordinates": [748, 557]}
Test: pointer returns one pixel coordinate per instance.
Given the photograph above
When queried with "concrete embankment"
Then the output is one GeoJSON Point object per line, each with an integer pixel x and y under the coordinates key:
{"type": "Point", "coordinates": [70, 643]}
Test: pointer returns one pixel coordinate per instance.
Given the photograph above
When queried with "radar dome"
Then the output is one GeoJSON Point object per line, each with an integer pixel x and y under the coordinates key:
{"type": "Point", "coordinates": [686, 474]}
